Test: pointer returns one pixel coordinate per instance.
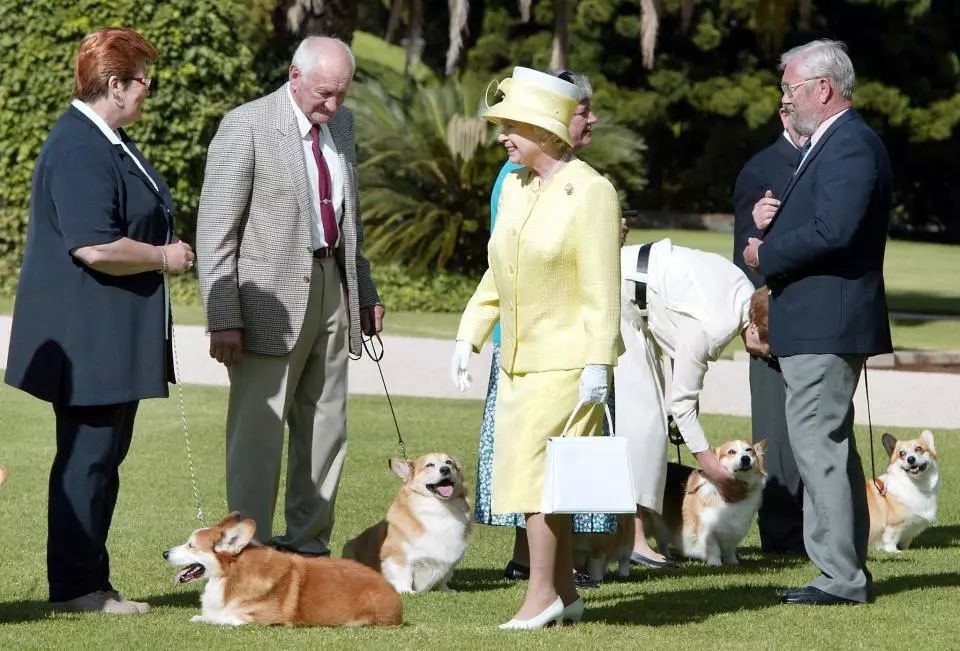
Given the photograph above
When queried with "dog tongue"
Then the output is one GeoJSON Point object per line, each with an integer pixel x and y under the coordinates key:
{"type": "Point", "coordinates": [189, 573]}
{"type": "Point", "coordinates": [445, 491]}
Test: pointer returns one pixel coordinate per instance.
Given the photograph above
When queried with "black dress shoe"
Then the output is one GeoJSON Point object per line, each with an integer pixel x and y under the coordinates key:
{"type": "Point", "coordinates": [810, 596]}
{"type": "Point", "coordinates": [583, 581]}
{"type": "Point", "coordinates": [639, 559]}
{"type": "Point", "coordinates": [516, 572]}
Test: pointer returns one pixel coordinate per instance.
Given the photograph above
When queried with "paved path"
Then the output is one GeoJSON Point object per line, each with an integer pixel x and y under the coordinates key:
{"type": "Point", "coordinates": [421, 367]}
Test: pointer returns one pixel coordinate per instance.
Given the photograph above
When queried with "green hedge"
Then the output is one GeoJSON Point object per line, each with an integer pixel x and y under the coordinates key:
{"type": "Point", "coordinates": [400, 290]}
{"type": "Point", "coordinates": [210, 61]}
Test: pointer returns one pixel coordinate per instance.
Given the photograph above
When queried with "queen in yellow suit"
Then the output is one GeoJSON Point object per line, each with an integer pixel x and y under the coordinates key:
{"type": "Point", "coordinates": [553, 283]}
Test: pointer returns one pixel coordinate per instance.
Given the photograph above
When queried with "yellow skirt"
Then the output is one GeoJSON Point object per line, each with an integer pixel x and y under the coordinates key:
{"type": "Point", "coordinates": [532, 407]}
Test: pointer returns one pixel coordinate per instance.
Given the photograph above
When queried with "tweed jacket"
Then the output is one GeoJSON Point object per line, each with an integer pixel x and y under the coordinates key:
{"type": "Point", "coordinates": [553, 278]}
{"type": "Point", "coordinates": [254, 242]}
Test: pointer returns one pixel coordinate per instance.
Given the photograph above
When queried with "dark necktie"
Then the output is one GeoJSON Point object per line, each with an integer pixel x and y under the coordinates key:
{"type": "Point", "coordinates": [803, 150]}
{"type": "Point", "coordinates": [328, 217]}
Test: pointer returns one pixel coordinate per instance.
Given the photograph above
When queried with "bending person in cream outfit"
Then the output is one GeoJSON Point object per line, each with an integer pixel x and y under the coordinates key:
{"type": "Point", "coordinates": [680, 308]}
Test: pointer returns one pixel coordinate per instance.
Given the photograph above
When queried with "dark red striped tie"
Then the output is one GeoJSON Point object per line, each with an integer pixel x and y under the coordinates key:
{"type": "Point", "coordinates": [328, 217]}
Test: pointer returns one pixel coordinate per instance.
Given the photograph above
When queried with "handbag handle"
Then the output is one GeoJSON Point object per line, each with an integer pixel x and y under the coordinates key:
{"type": "Point", "coordinates": [576, 409]}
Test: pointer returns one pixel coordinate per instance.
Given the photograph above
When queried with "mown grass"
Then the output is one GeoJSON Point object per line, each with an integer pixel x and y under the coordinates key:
{"type": "Point", "coordinates": [693, 607]}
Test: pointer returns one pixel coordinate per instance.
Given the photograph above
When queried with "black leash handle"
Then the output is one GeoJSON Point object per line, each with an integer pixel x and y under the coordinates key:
{"type": "Point", "coordinates": [376, 355]}
{"type": "Point", "coordinates": [674, 435]}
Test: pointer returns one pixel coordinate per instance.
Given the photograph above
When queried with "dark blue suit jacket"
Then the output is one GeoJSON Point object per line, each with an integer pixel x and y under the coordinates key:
{"type": "Point", "coordinates": [770, 169]}
{"type": "Point", "coordinates": [81, 337]}
{"type": "Point", "coordinates": [822, 256]}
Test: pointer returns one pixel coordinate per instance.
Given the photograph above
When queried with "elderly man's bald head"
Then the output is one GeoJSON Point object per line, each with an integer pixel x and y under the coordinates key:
{"type": "Point", "coordinates": [324, 50]}
{"type": "Point", "coordinates": [320, 75]}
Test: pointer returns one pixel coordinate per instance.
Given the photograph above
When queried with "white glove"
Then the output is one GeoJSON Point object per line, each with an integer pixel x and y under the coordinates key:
{"type": "Point", "coordinates": [593, 383]}
{"type": "Point", "coordinates": [458, 365]}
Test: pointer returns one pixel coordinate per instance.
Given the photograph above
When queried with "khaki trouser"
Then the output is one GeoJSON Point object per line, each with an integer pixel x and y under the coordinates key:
{"type": "Point", "coordinates": [306, 389]}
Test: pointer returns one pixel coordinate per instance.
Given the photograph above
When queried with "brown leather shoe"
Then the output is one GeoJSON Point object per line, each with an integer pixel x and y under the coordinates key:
{"type": "Point", "coordinates": [101, 601]}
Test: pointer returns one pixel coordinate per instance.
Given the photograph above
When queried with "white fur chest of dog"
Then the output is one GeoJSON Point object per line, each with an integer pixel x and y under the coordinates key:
{"type": "Point", "coordinates": [720, 526]}
{"type": "Point", "coordinates": [712, 527]}
{"type": "Point", "coordinates": [905, 504]}
{"type": "Point", "coordinates": [428, 559]}
{"type": "Point", "coordinates": [213, 608]}
{"type": "Point", "coordinates": [426, 529]}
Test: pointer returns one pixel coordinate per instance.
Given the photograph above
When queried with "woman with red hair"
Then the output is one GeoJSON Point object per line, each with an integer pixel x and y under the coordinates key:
{"type": "Point", "coordinates": [91, 325]}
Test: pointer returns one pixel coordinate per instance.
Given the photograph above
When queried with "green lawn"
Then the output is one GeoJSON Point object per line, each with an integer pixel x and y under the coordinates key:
{"type": "Point", "coordinates": [693, 607]}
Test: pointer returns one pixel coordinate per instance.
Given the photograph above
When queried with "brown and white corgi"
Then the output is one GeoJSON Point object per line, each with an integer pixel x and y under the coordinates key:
{"type": "Point", "coordinates": [707, 527]}
{"type": "Point", "coordinates": [593, 552]}
{"type": "Point", "coordinates": [905, 503]}
{"type": "Point", "coordinates": [426, 529]}
{"type": "Point", "coordinates": [248, 583]}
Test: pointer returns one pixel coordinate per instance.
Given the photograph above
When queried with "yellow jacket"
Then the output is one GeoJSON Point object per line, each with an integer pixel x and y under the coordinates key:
{"type": "Point", "coordinates": [553, 280]}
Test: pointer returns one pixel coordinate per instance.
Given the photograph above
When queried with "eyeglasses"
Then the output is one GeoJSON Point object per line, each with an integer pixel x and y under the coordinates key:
{"type": "Point", "coordinates": [151, 83]}
{"type": "Point", "coordinates": [788, 89]}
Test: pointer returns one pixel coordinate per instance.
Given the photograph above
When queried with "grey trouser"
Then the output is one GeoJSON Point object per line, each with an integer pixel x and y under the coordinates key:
{"type": "Point", "coordinates": [820, 422]}
{"type": "Point", "coordinates": [306, 389]}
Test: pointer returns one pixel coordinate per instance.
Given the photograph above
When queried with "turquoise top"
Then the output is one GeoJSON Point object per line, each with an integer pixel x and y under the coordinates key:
{"type": "Point", "coordinates": [494, 200]}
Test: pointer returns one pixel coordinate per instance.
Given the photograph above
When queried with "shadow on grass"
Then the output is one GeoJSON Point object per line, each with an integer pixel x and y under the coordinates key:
{"type": "Point", "coordinates": [909, 582]}
{"type": "Point", "coordinates": [473, 579]}
{"type": "Point", "coordinates": [698, 605]}
{"type": "Point", "coordinates": [938, 537]}
{"type": "Point", "coordinates": [13, 612]}
{"type": "Point", "coordinates": [921, 302]}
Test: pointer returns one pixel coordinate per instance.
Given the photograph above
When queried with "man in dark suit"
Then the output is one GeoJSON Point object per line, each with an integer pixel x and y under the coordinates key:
{"type": "Point", "coordinates": [822, 257]}
{"type": "Point", "coordinates": [781, 513]}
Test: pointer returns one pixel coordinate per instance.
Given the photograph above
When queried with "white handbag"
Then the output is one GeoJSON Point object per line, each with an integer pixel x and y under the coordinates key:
{"type": "Point", "coordinates": [587, 474]}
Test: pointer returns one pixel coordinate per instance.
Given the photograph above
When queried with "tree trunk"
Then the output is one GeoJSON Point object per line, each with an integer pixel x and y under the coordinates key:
{"type": "Point", "coordinates": [561, 34]}
{"type": "Point", "coordinates": [302, 18]}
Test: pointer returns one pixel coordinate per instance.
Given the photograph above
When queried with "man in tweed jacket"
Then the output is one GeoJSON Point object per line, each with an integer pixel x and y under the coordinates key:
{"type": "Point", "coordinates": [287, 290]}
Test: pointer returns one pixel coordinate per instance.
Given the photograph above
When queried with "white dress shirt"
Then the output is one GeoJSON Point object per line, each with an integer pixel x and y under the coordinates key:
{"type": "Point", "coordinates": [696, 303]}
{"type": "Point", "coordinates": [329, 150]}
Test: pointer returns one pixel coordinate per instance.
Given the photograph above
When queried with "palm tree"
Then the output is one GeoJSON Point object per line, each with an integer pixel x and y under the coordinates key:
{"type": "Point", "coordinates": [427, 163]}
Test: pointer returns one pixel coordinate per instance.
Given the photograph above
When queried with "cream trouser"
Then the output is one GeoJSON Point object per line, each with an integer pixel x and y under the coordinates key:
{"type": "Point", "coordinates": [307, 390]}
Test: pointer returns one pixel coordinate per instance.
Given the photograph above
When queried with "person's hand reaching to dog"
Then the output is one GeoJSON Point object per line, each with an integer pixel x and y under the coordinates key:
{"type": "Point", "coordinates": [731, 489]}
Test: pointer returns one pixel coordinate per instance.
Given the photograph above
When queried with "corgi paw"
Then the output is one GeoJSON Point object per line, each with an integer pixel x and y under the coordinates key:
{"type": "Point", "coordinates": [198, 619]}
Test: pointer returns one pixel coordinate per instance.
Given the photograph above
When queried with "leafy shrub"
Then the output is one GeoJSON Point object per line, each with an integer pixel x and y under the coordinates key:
{"type": "Point", "coordinates": [209, 57]}
{"type": "Point", "coordinates": [440, 291]}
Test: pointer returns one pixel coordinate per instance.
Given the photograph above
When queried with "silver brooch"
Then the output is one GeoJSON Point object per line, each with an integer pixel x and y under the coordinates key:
{"type": "Point", "coordinates": [569, 188]}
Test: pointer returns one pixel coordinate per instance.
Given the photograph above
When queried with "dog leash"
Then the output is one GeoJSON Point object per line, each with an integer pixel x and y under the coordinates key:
{"type": "Point", "coordinates": [183, 419]}
{"type": "Point", "coordinates": [873, 465]}
{"type": "Point", "coordinates": [376, 356]}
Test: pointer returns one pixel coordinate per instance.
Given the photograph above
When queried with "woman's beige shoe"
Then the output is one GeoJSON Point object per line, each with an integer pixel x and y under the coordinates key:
{"type": "Point", "coordinates": [101, 601]}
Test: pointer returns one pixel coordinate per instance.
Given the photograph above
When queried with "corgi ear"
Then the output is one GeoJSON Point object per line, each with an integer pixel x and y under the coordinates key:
{"type": "Point", "coordinates": [889, 443]}
{"type": "Point", "coordinates": [927, 437]}
{"type": "Point", "coordinates": [402, 468]}
{"type": "Point", "coordinates": [236, 537]}
{"type": "Point", "coordinates": [231, 519]}
{"type": "Point", "coordinates": [760, 447]}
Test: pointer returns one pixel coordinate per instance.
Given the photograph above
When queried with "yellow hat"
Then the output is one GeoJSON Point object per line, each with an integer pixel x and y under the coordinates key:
{"type": "Point", "coordinates": [536, 98]}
